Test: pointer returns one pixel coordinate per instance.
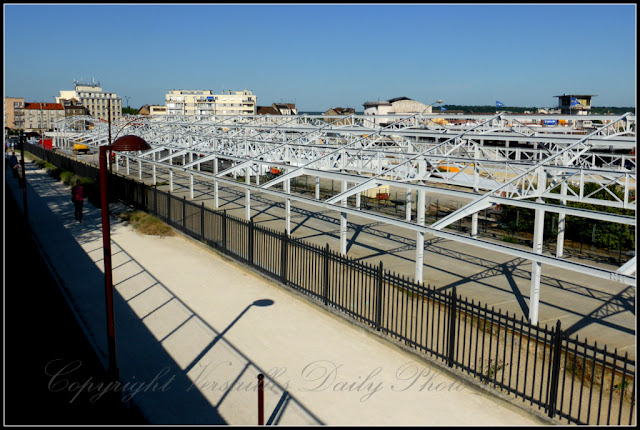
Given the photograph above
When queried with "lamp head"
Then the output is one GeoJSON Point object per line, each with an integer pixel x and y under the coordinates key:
{"type": "Point", "coordinates": [440, 101]}
{"type": "Point", "coordinates": [130, 143]}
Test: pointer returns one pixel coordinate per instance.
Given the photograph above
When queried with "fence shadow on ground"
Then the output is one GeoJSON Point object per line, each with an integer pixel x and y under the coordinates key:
{"type": "Point", "coordinates": [172, 396]}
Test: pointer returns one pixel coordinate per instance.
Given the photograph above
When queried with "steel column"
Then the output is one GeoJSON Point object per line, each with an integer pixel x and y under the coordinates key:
{"type": "Point", "coordinates": [474, 225]}
{"type": "Point", "coordinates": [536, 266]}
{"type": "Point", "coordinates": [561, 224]}
{"type": "Point", "coordinates": [408, 204]}
{"type": "Point", "coordinates": [343, 222]}
{"type": "Point", "coordinates": [215, 183]}
{"type": "Point", "coordinates": [191, 185]}
{"type": "Point", "coordinates": [287, 189]}
{"type": "Point", "coordinates": [420, 237]}
{"type": "Point", "coordinates": [247, 196]}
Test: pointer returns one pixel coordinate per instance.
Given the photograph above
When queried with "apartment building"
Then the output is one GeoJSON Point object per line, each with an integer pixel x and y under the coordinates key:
{"type": "Point", "coordinates": [14, 112]}
{"type": "Point", "coordinates": [42, 116]}
{"type": "Point", "coordinates": [95, 100]}
{"type": "Point", "coordinates": [205, 102]}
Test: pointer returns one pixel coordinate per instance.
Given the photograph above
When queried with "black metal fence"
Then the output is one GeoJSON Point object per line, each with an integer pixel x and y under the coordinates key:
{"type": "Point", "coordinates": [568, 378]}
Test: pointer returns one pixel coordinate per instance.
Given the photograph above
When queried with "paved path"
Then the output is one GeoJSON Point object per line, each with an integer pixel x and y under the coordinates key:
{"type": "Point", "coordinates": [194, 329]}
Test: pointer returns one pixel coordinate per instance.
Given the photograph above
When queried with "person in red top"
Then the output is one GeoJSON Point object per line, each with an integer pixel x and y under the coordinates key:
{"type": "Point", "coordinates": [77, 197]}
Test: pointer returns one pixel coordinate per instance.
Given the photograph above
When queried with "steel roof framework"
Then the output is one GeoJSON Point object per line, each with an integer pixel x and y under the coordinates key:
{"type": "Point", "coordinates": [401, 155]}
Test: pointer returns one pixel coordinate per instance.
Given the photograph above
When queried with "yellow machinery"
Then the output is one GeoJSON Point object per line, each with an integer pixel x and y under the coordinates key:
{"type": "Point", "coordinates": [80, 148]}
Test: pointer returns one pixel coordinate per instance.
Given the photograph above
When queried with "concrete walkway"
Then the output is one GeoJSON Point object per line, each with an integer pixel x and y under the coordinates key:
{"type": "Point", "coordinates": [194, 329]}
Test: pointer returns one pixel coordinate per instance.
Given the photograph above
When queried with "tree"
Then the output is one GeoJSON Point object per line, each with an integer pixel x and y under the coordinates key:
{"type": "Point", "coordinates": [129, 111]}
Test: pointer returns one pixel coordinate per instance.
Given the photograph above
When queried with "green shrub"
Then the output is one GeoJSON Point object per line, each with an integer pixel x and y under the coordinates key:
{"type": "Point", "coordinates": [146, 224]}
{"type": "Point", "coordinates": [66, 177]}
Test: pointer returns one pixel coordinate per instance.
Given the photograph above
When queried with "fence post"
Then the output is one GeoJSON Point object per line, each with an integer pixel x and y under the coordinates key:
{"type": "Point", "coordinates": [184, 212]}
{"type": "Point", "coordinates": [202, 222]}
{"type": "Point", "coordinates": [250, 238]}
{"type": "Point", "coordinates": [283, 257]}
{"type": "Point", "coordinates": [380, 281]}
{"type": "Point", "coordinates": [555, 370]}
{"type": "Point", "coordinates": [325, 275]}
{"type": "Point", "coordinates": [452, 326]}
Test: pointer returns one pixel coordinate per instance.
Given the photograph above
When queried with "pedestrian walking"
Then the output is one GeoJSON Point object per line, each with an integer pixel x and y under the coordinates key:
{"type": "Point", "coordinates": [77, 197]}
{"type": "Point", "coordinates": [13, 164]}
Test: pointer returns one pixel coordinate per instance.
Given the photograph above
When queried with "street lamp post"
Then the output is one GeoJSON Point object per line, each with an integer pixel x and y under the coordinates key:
{"type": "Point", "coordinates": [431, 105]}
{"type": "Point", "coordinates": [125, 143]}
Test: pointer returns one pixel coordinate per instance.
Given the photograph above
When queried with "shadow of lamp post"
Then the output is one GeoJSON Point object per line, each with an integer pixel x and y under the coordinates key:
{"type": "Point", "coordinates": [125, 143]}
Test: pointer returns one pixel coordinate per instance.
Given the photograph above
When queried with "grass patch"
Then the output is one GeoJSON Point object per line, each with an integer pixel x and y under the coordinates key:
{"type": "Point", "coordinates": [66, 177]}
{"type": "Point", "coordinates": [509, 239]}
{"type": "Point", "coordinates": [146, 224]}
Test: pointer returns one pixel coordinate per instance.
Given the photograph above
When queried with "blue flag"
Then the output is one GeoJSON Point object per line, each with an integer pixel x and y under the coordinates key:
{"type": "Point", "coordinates": [498, 104]}
{"type": "Point", "coordinates": [575, 102]}
{"type": "Point", "coordinates": [442, 109]}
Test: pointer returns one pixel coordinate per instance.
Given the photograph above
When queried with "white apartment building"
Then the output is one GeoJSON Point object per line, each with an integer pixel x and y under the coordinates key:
{"type": "Point", "coordinates": [95, 100]}
{"type": "Point", "coordinates": [205, 102]}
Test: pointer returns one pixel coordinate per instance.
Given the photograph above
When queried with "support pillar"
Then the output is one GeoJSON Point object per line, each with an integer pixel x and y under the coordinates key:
{"type": "Point", "coordinates": [215, 183]}
{"type": "Point", "coordinates": [247, 197]}
{"type": "Point", "coordinates": [420, 237]}
{"type": "Point", "coordinates": [343, 223]}
{"type": "Point", "coordinates": [474, 225]}
{"type": "Point", "coordinates": [128, 172]}
{"type": "Point", "coordinates": [358, 198]}
{"type": "Point", "coordinates": [117, 160]}
{"type": "Point", "coordinates": [155, 177]}
{"type": "Point", "coordinates": [561, 224]}
{"type": "Point", "coordinates": [191, 185]}
{"type": "Point", "coordinates": [536, 267]}
{"type": "Point", "coordinates": [171, 180]}
{"type": "Point", "coordinates": [317, 188]}
{"type": "Point", "coordinates": [408, 205]}
{"type": "Point", "coordinates": [287, 189]}
{"type": "Point", "coordinates": [139, 169]}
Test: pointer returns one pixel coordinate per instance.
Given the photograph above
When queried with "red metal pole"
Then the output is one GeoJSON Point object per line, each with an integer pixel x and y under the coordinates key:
{"type": "Point", "coordinates": [108, 280]}
{"type": "Point", "coordinates": [24, 178]}
{"type": "Point", "coordinates": [260, 399]}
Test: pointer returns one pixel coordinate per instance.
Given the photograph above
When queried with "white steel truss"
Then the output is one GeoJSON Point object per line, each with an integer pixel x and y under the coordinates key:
{"type": "Point", "coordinates": [414, 152]}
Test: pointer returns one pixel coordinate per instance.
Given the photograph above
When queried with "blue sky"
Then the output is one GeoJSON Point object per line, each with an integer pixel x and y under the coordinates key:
{"type": "Point", "coordinates": [322, 56]}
